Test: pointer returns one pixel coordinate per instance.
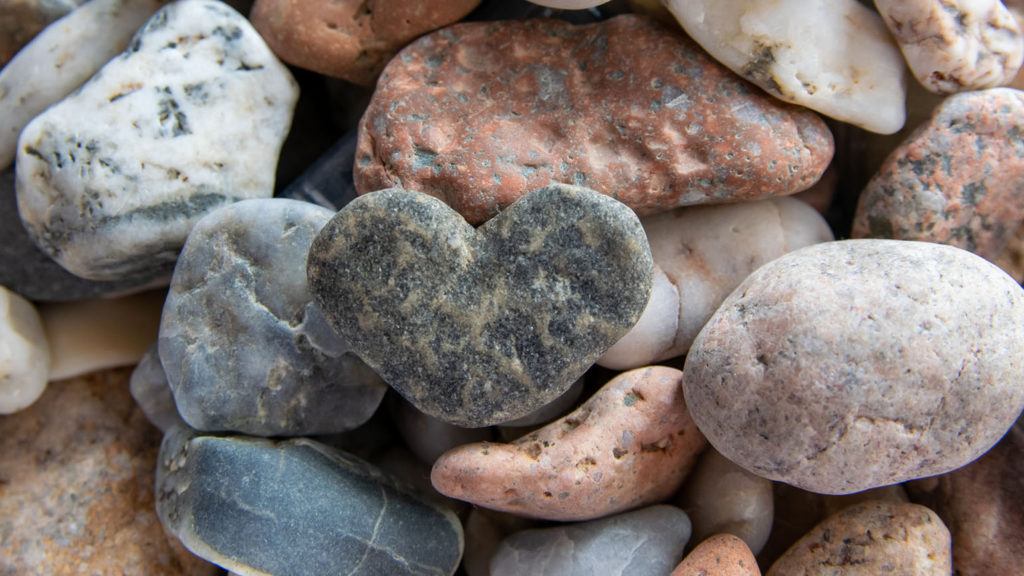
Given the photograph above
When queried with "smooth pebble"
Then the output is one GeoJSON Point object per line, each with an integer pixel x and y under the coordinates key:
{"type": "Point", "coordinates": [24, 353]}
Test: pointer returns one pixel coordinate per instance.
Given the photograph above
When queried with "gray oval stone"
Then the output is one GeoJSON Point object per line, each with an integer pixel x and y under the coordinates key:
{"type": "Point", "coordinates": [242, 344]}
{"type": "Point", "coordinates": [478, 327]}
{"type": "Point", "coordinates": [851, 365]}
{"type": "Point", "coordinates": [297, 507]}
{"type": "Point", "coordinates": [151, 392]}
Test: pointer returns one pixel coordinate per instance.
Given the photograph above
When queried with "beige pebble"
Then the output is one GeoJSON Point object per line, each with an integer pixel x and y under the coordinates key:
{"type": "Point", "coordinates": [870, 539]}
{"type": "Point", "coordinates": [24, 353]}
{"type": "Point", "coordinates": [719, 555]}
{"type": "Point", "coordinates": [721, 497]}
{"type": "Point", "coordinates": [629, 445]}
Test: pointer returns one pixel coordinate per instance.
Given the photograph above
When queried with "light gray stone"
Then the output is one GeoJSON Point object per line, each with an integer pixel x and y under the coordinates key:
{"type": "Point", "coordinates": [190, 117]}
{"type": "Point", "coordinates": [24, 353]}
{"type": "Point", "coordinates": [242, 344]}
{"type": "Point", "coordinates": [151, 392]}
{"type": "Point", "coordinates": [645, 542]}
{"type": "Point", "coordinates": [850, 365]}
{"type": "Point", "coordinates": [297, 507]}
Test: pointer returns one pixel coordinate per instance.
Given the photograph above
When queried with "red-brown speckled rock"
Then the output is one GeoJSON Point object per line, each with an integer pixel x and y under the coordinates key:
{"type": "Point", "coordinates": [478, 114]}
{"type": "Point", "coordinates": [76, 486]}
{"type": "Point", "coordinates": [956, 180]}
{"type": "Point", "coordinates": [719, 555]}
{"type": "Point", "coordinates": [350, 39]}
{"type": "Point", "coordinates": [631, 444]}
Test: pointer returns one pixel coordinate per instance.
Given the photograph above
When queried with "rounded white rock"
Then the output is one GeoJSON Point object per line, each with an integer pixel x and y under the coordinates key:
{"type": "Point", "coordinates": [24, 353]}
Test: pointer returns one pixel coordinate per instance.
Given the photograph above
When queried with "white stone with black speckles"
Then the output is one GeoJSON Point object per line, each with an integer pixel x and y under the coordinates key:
{"type": "Point", "coordinates": [192, 116]}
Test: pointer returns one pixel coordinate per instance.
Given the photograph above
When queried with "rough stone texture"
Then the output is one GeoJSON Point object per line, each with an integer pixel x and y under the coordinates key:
{"type": "Point", "coordinates": [76, 486]}
{"type": "Point", "coordinates": [870, 539]}
{"type": "Point", "coordinates": [646, 542]}
{"type": "Point", "coordinates": [24, 353]}
{"type": "Point", "coordinates": [630, 445]}
{"type": "Point", "coordinates": [190, 117]}
{"type": "Point", "coordinates": [983, 506]}
{"type": "Point", "coordinates": [21, 20]}
{"type": "Point", "coordinates": [720, 497]}
{"type": "Point", "coordinates": [833, 56]}
{"type": "Point", "coordinates": [627, 107]}
{"type": "Point", "coordinates": [297, 507]}
{"type": "Point", "coordinates": [956, 180]}
{"type": "Point", "coordinates": [478, 327]}
{"type": "Point", "coordinates": [242, 344]}
{"type": "Point", "coordinates": [29, 271]}
{"type": "Point", "coordinates": [915, 373]}
{"type": "Point", "coordinates": [956, 45]}
{"type": "Point", "coordinates": [149, 389]}
{"type": "Point", "coordinates": [719, 555]}
{"type": "Point", "coordinates": [61, 58]}
{"type": "Point", "coordinates": [349, 39]}
{"type": "Point", "coordinates": [705, 252]}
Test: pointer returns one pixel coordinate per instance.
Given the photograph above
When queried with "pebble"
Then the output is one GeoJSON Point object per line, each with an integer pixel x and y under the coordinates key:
{"type": "Point", "coordinates": [552, 410]}
{"type": "Point", "coordinates": [645, 542]}
{"type": "Point", "coordinates": [349, 39]}
{"type": "Point", "coordinates": [569, 4]}
{"type": "Point", "coordinates": [913, 374]}
{"type": "Point", "coordinates": [427, 437]}
{"type": "Point", "coordinates": [110, 181]}
{"type": "Point", "coordinates": [62, 58]}
{"type": "Point", "coordinates": [704, 253]}
{"type": "Point", "coordinates": [869, 539]}
{"type": "Point", "coordinates": [800, 51]}
{"type": "Point", "coordinates": [478, 327]}
{"type": "Point", "coordinates": [630, 445]}
{"type": "Point", "coordinates": [90, 335]}
{"type": "Point", "coordinates": [21, 20]}
{"type": "Point", "coordinates": [76, 486]}
{"type": "Point", "coordinates": [956, 45]}
{"type": "Point", "coordinates": [955, 180]}
{"type": "Point", "coordinates": [720, 497]}
{"type": "Point", "coordinates": [256, 506]}
{"type": "Point", "coordinates": [242, 344]}
{"type": "Point", "coordinates": [150, 390]}
{"type": "Point", "coordinates": [485, 530]}
{"type": "Point", "coordinates": [982, 506]}
{"type": "Point", "coordinates": [24, 353]}
{"type": "Point", "coordinates": [627, 107]}
{"type": "Point", "coordinates": [719, 555]}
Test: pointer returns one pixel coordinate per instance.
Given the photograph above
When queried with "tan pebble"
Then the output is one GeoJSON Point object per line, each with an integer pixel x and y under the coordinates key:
{"type": "Point", "coordinates": [872, 538]}
{"type": "Point", "coordinates": [24, 353]}
{"type": "Point", "coordinates": [629, 445]}
{"type": "Point", "coordinates": [720, 555]}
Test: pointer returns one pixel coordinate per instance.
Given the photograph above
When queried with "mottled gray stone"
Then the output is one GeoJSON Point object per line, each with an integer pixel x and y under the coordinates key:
{"type": "Point", "coordinates": [645, 542]}
{"type": "Point", "coordinates": [297, 507]}
{"type": "Point", "coordinates": [151, 392]}
{"type": "Point", "coordinates": [242, 344]}
{"type": "Point", "coordinates": [478, 327]}
{"type": "Point", "coordinates": [190, 117]}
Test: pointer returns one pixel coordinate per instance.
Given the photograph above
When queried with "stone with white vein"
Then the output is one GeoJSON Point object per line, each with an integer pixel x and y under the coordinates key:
{"type": "Point", "coordinates": [833, 56]}
{"type": "Point", "coordinates": [192, 116]}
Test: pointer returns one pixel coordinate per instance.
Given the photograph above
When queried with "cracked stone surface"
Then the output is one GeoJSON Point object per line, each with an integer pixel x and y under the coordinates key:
{"type": "Point", "coordinates": [956, 180]}
{"type": "Point", "coordinates": [870, 539]}
{"type": "Point", "coordinates": [645, 542]}
{"type": "Point", "coordinates": [630, 445]}
{"type": "Point", "coordinates": [956, 45]}
{"type": "Point", "coordinates": [628, 107]}
{"type": "Point", "coordinates": [481, 326]}
{"type": "Point", "coordinates": [914, 373]}
{"type": "Point", "coordinates": [190, 117]}
{"type": "Point", "coordinates": [297, 507]}
{"type": "Point", "coordinates": [243, 346]}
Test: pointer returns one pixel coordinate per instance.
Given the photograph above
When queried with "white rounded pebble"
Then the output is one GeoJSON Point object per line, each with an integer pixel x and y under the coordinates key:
{"type": "Point", "coordinates": [24, 353]}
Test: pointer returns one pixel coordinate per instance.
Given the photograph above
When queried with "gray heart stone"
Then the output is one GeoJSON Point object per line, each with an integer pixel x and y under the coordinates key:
{"type": "Point", "coordinates": [481, 326]}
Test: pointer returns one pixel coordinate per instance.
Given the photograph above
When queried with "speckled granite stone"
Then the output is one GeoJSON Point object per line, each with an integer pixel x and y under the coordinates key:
{"type": "Point", "coordinates": [76, 487]}
{"type": "Point", "coordinates": [21, 20]}
{"type": "Point", "coordinates": [915, 372]}
{"type": "Point", "coordinates": [956, 45]}
{"type": "Point", "coordinates": [241, 342]}
{"type": "Point", "coordinates": [871, 539]}
{"type": "Point", "coordinates": [478, 327]}
{"type": "Point", "coordinates": [628, 107]}
{"type": "Point", "coordinates": [350, 39]}
{"type": "Point", "coordinates": [956, 180]}
{"type": "Point", "coordinates": [298, 507]}
{"type": "Point", "coordinates": [191, 116]}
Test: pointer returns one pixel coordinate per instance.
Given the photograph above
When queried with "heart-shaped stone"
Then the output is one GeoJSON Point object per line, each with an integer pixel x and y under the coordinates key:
{"type": "Point", "coordinates": [481, 326]}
